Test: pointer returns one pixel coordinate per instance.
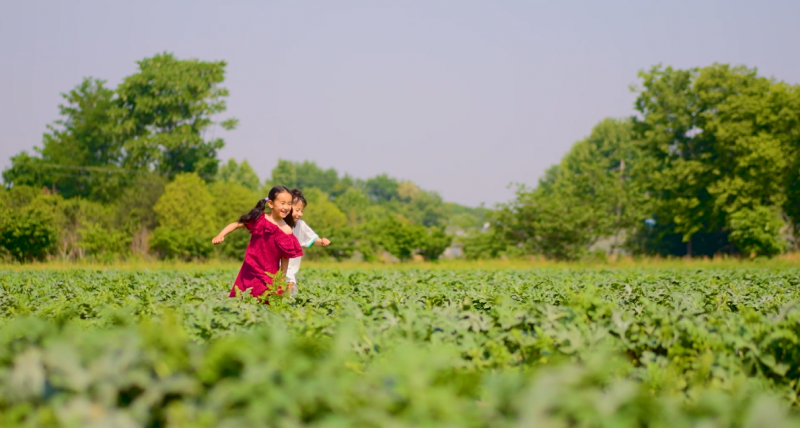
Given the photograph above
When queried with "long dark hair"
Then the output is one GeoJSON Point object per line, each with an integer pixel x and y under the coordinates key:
{"type": "Point", "coordinates": [262, 204]}
{"type": "Point", "coordinates": [297, 196]}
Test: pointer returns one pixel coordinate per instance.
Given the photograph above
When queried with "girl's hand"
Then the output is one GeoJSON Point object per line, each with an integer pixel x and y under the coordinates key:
{"type": "Point", "coordinates": [218, 239]}
{"type": "Point", "coordinates": [325, 242]}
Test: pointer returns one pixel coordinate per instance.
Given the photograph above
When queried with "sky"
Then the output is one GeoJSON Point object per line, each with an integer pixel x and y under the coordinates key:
{"type": "Point", "coordinates": [462, 97]}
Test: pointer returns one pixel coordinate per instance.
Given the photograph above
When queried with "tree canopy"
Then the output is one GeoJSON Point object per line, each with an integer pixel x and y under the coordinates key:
{"type": "Point", "coordinates": [709, 163]}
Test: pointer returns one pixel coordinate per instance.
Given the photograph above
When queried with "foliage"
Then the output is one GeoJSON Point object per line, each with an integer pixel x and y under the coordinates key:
{"type": "Point", "coordinates": [587, 196]}
{"type": "Point", "coordinates": [164, 111]}
{"type": "Point", "coordinates": [155, 120]}
{"type": "Point", "coordinates": [757, 232]}
{"type": "Point", "coordinates": [187, 205]}
{"type": "Point", "coordinates": [705, 144]}
{"type": "Point", "coordinates": [31, 231]}
{"type": "Point", "coordinates": [231, 200]}
{"type": "Point", "coordinates": [73, 217]}
{"type": "Point", "coordinates": [434, 243]}
{"type": "Point", "coordinates": [79, 152]}
{"type": "Point", "coordinates": [135, 205]}
{"type": "Point", "coordinates": [304, 175]}
{"type": "Point", "coordinates": [658, 348]}
{"type": "Point", "coordinates": [182, 244]}
{"type": "Point", "coordinates": [464, 218]}
{"type": "Point", "coordinates": [19, 196]}
{"type": "Point", "coordinates": [104, 244]}
{"type": "Point", "coordinates": [689, 174]}
{"type": "Point", "coordinates": [240, 173]}
{"type": "Point", "coordinates": [399, 237]}
{"type": "Point", "coordinates": [486, 244]}
{"type": "Point", "coordinates": [321, 212]}
{"type": "Point", "coordinates": [353, 203]}
{"type": "Point", "coordinates": [715, 140]}
{"type": "Point", "coordinates": [121, 146]}
{"type": "Point", "coordinates": [187, 218]}
{"type": "Point", "coordinates": [382, 188]}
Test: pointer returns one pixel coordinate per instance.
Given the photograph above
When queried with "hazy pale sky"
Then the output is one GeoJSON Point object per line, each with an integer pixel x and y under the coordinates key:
{"type": "Point", "coordinates": [462, 97]}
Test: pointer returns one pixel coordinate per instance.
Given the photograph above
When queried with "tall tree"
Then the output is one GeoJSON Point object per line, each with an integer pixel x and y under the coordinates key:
{"type": "Point", "coordinates": [241, 173]}
{"type": "Point", "coordinates": [81, 153]}
{"type": "Point", "coordinates": [156, 120]}
{"type": "Point", "coordinates": [164, 115]}
{"type": "Point", "coordinates": [716, 140]}
{"type": "Point", "coordinates": [589, 195]}
{"type": "Point", "coordinates": [382, 188]}
{"type": "Point", "coordinates": [305, 175]}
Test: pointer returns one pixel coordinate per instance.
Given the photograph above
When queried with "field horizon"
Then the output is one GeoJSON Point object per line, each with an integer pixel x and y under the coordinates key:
{"type": "Point", "coordinates": [789, 260]}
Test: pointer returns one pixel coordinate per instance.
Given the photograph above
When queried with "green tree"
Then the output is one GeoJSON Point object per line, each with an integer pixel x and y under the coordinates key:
{"type": "Point", "coordinates": [18, 197]}
{"type": "Point", "coordinates": [589, 195]}
{"type": "Point", "coordinates": [155, 120]}
{"type": "Point", "coordinates": [30, 231]}
{"type": "Point", "coordinates": [353, 203]}
{"type": "Point", "coordinates": [304, 175]}
{"type": "Point", "coordinates": [81, 152]}
{"type": "Point", "coordinates": [559, 223]}
{"type": "Point", "coordinates": [231, 201]}
{"type": "Point", "coordinates": [134, 212]}
{"type": "Point", "coordinates": [165, 111]}
{"type": "Point", "coordinates": [486, 244]}
{"type": "Point", "coordinates": [714, 140]}
{"type": "Point", "coordinates": [100, 243]}
{"type": "Point", "coordinates": [398, 236]}
{"type": "Point", "coordinates": [420, 206]}
{"type": "Point", "coordinates": [465, 218]}
{"type": "Point", "coordinates": [241, 173]}
{"type": "Point", "coordinates": [186, 219]}
{"type": "Point", "coordinates": [322, 214]}
{"type": "Point", "coordinates": [757, 231]}
{"type": "Point", "coordinates": [79, 222]}
{"type": "Point", "coordinates": [382, 188]}
{"type": "Point", "coordinates": [434, 243]}
{"type": "Point", "coordinates": [329, 221]}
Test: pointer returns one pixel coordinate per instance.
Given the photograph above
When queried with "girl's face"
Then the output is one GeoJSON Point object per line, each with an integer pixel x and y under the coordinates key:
{"type": "Point", "coordinates": [282, 204]}
{"type": "Point", "coordinates": [297, 210]}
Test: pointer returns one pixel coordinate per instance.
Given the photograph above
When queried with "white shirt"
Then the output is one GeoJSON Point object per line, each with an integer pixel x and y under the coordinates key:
{"type": "Point", "coordinates": [306, 236]}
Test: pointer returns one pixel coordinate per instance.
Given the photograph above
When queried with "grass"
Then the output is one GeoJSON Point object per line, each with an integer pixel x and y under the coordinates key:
{"type": "Point", "coordinates": [791, 260]}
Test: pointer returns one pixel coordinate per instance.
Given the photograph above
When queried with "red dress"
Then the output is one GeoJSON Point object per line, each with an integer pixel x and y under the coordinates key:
{"type": "Point", "coordinates": [268, 244]}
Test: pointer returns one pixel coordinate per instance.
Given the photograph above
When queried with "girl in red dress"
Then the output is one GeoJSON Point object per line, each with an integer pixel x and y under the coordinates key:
{"type": "Point", "coordinates": [272, 242]}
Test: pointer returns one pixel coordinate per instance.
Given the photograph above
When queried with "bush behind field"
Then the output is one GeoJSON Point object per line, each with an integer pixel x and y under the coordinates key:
{"type": "Point", "coordinates": [401, 348]}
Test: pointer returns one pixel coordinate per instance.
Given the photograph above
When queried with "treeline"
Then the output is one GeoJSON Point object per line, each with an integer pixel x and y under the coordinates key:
{"type": "Point", "coordinates": [131, 171]}
{"type": "Point", "coordinates": [708, 165]}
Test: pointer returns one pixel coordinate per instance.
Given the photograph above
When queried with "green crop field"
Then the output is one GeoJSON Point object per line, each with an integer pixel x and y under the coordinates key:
{"type": "Point", "coordinates": [711, 347]}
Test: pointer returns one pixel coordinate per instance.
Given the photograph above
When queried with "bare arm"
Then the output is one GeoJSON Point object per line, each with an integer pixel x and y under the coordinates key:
{"type": "Point", "coordinates": [228, 229]}
{"type": "Point", "coordinates": [322, 241]}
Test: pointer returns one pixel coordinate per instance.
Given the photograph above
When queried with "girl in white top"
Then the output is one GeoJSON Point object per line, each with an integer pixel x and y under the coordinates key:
{"type": "Point", "coordinates": [304, 234]}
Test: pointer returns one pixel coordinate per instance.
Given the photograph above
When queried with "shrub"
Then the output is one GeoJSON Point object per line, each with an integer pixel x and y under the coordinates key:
{"type": "Point", "coordinates": [757, 231]}
{"type": "Point", "coordinates": [31, 232]}
{"type": "Point", "coordinates": [186, 216]}
{"type": "Point", "coordinates": [434, 243]}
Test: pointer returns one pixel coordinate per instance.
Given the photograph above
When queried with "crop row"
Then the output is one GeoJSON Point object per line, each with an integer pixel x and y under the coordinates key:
{"type": "Point", "coordinates": [406, 348]}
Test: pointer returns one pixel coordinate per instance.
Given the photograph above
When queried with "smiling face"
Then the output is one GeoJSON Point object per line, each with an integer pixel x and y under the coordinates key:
{"type": "Point", "coordinates": [297, 210]}
{"type": "Point", "coordinates": [281, 204]}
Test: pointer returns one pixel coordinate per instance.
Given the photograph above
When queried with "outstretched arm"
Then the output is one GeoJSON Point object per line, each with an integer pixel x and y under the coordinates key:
{"type": "Point", "coordinates": [228, 229]}
{"type": "Point", "coordinates": [322, 241]}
